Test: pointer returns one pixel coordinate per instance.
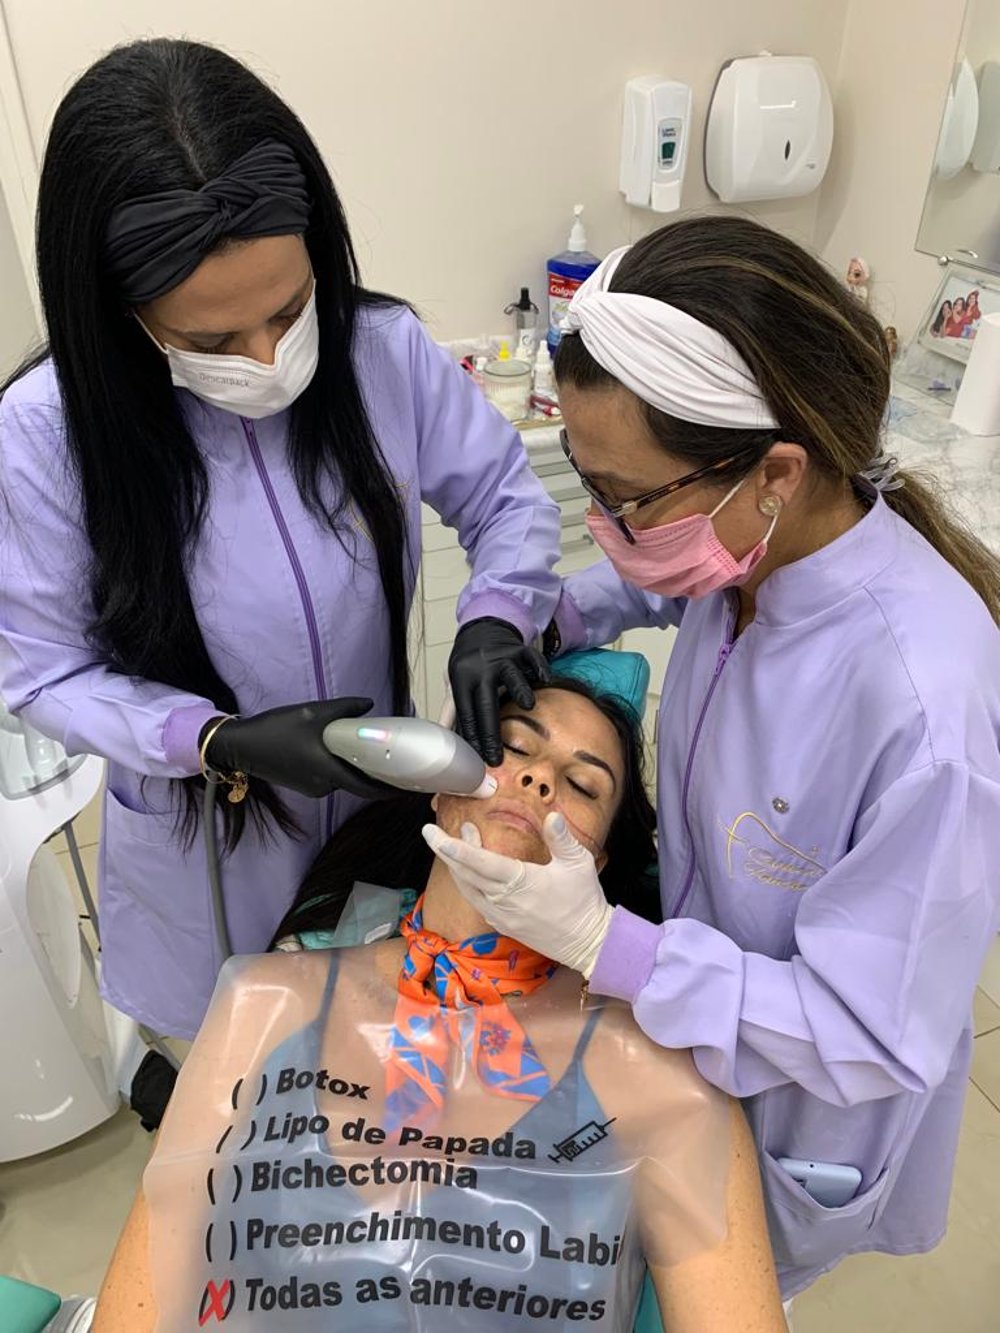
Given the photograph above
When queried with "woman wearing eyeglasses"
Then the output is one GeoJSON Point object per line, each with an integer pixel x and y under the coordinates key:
{"type": "Point", "coordinates": [828, 758]}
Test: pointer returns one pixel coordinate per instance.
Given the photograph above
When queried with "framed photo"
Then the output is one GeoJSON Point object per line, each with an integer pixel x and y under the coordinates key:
{"type": "Point", "coordinates": [964, 296]}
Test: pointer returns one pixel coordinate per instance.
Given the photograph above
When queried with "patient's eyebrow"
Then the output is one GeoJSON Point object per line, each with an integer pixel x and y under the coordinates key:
{"type": "Point", "coordinates": [587, 758]}
{"type": "Point", "coordinates": [531, 722]}
{"type": "Point", "coordinates": [583, 755]}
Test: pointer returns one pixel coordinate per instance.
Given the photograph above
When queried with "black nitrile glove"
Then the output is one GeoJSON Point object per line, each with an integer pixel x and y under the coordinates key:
{"type": "Point", "coordinates": [490, 656]}
{"type": "Point", "coordinates": [284, 746]}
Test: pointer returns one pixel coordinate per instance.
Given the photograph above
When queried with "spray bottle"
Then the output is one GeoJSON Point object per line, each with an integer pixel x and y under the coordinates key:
{"type": "Point", "coordinates": [566, 272]}
{"type": "Point", "coordinates": [525, 316]}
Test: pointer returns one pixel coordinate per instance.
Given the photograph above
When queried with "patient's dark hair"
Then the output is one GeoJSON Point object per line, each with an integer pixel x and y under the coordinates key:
{"type": "Point", "coordinates": [382, 844]}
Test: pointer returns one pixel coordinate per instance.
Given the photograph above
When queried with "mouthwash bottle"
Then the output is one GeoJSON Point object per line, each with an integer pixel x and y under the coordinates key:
{"type": "Point", "coordinates": [566, 272]}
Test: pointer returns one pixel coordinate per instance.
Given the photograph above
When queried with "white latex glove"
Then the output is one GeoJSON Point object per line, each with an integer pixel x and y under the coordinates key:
{"type": "Point", "coordinates": [559, 909]}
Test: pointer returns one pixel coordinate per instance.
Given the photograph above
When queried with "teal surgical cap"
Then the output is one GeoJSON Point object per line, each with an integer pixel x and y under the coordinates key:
{"type": "Point", "coordinates": [618, 675]}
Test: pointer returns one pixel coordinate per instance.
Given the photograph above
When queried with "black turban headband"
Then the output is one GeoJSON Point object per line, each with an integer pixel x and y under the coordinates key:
{"type": "Point", "coordinates": [154, 243]}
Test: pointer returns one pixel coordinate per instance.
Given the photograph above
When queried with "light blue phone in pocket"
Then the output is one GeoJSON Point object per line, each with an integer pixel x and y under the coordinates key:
{"type": "Point", "coordinates": [829, 1183]}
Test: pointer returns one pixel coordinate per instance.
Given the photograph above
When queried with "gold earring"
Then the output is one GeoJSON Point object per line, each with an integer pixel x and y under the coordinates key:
{"type": "Point", "coordinates": [769, 505]}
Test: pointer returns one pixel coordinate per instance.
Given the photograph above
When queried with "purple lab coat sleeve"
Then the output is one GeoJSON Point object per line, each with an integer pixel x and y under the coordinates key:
{"type": "Point", "coordinates": [597, 605]}
{"type": "Point", "coordinates": [49, 673]}
{"type": "Point", "coordinates": [890, 942]}
{"type": "Point", "coordinates": [475, 473]}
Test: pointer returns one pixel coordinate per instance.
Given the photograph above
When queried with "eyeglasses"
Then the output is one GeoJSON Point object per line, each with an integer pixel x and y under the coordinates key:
{"type": "Point", "coordinates": [618, 512]}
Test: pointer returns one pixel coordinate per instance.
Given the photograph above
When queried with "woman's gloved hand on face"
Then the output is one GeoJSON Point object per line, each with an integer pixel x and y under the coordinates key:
{"type": "Point", "coordinates": [559, 909]}
{"type": "Point", "coordinates": [284, 746]}
{"type": "Point", "coordinates": [489, 656]}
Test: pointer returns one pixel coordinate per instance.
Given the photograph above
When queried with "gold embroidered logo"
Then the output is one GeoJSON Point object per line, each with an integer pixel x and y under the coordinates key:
{"type": "Point", "coordinates": [768, 858]}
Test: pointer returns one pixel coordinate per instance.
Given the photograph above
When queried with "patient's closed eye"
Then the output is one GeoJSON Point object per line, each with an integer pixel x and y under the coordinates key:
{"type": "Point", "coordinates": [577, 786]}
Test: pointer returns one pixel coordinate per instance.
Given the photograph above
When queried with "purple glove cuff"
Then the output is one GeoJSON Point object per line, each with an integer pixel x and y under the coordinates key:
{"type": "Point", "coordinates": [627, 957]}
{"type": "Point", "coordinates": [570, 624]}
{"type": "Point", "coordinates": [500, 607]}
{"type": "Point", "coordinates": [180, 736]}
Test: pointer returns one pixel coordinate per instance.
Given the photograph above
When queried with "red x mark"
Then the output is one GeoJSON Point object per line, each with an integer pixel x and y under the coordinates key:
{"type": "Point", "coordinates": [216, 1302]}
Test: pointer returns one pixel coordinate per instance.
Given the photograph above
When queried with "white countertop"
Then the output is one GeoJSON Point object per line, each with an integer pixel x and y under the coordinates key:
{"type": "Point", "coordinates": [965, 467]}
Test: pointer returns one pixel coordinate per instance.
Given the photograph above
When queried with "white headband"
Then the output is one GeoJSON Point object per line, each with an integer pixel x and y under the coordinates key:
{"type": "Point", "coordinates": [666, 357]}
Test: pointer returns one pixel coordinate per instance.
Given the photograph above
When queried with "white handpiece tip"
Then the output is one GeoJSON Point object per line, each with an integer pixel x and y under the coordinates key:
{"type": "Point", "coordinates": [486, 788]}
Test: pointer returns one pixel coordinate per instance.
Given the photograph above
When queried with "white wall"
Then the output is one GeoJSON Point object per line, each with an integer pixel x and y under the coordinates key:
{"type": "Point", "coordinates": [459, 139]}
{"type": "Point", "coordinates": [18, 328]}
{"type": "Point", "coordinates": [895, 66]}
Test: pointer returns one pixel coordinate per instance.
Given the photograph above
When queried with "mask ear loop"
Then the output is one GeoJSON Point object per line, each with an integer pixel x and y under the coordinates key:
{"type": "Point", "coordinates": [727, 497]}
{"type": "Point", "coordinates": [160, 347]}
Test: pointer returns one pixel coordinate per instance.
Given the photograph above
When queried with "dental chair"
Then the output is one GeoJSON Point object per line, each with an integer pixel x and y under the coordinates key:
{"type": "Point", "coordinates": [624, 676]}
{"type": "Point", "coordinates": [28, 1309]}
{"type": "Point", "coordinates": [56, 1050]}
{"type": "Point", "coordinates": [58, 1068]}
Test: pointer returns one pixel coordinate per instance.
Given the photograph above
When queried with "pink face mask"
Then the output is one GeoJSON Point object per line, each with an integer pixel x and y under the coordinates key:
{"type": "Point", "coordinates": [680, 559]}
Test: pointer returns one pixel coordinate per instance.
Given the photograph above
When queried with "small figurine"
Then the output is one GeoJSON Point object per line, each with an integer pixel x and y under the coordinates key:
{"type": "Point", "coordinates": [891, 341]}
{"type": "Point", "coordinates": [858, 276]}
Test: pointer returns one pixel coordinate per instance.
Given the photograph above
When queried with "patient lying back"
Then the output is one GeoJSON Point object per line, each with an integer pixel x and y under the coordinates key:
{"type": "Point", "coordinates": [432, 1126]}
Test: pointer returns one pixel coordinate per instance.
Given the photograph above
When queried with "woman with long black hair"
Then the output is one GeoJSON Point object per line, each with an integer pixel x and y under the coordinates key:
{"type": "Point", "coordinates": [212, 481]}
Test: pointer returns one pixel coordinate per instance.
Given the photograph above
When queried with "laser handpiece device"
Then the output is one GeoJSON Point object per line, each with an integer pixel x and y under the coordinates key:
{"type": "Point", "coordinates": [410, 753]}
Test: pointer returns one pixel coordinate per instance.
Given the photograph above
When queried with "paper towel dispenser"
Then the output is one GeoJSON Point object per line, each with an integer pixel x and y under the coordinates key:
{"type": "Point", "coordinates": [959, 123]}
{"type": "Point", "coordinates": [986, 145]}
{"type": "Point", "coordinates": [770, 129]}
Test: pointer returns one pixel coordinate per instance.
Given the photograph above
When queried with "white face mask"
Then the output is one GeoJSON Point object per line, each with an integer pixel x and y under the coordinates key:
{"type": "Point", "coordinates": [240, 384]}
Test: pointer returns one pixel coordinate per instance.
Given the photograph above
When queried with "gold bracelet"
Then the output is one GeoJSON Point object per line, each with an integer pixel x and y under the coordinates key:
{"type": "Point", "coordinates": [236, 782]}
{"type": "Point", "coordinates": [203, 748]}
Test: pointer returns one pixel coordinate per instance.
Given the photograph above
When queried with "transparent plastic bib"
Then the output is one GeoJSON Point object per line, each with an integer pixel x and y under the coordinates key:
{"type": "Point", "coordinates": [283, 1194]}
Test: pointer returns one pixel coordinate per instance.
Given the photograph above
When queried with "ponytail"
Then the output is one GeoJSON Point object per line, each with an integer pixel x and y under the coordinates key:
{"type": "Point", "coordinates": [919, 501]}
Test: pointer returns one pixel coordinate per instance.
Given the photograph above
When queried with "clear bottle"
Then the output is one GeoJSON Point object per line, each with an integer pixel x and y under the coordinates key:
{"type": "Point", "coordinates": [525, 315]}
{"type": "Point", "coordinates": [544, 377]}
{"type": "Point", "coordinates": [526, 347]}
{"type": "Point", "coordinates": [543, 389]}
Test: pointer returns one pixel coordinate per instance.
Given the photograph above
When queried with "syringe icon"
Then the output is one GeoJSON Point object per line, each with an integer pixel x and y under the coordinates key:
{"type": "Point", "coordinates": [580, 1140]}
